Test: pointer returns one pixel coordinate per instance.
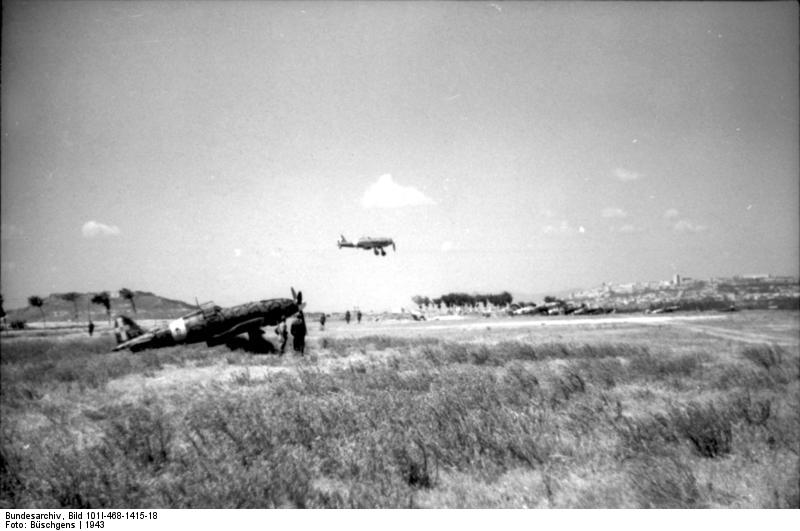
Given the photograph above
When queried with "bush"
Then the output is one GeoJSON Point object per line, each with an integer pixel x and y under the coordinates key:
{"type": "Point", "coordinates": [765, 356]}
{"type": "Point", "coordinates": [663, 481]}
{"type": "Point", "coordinates": [644, 435]}
{"type": "Point", "coordinates": [661, 367]}
{"type": "Point", "coordinates": [708, 429]}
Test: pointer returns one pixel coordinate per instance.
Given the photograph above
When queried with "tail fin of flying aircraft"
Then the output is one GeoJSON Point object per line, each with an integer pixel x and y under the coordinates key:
{"type": "Point", "coordinates": [342, 241]}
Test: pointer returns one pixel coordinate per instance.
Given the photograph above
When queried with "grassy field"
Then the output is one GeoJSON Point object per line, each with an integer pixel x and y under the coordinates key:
{"type": "Point", "coordinates": [600, 413]}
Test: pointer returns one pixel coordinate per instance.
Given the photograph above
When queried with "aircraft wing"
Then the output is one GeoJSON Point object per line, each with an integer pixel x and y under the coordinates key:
{"type": "Point", "coordinates": [240, 328]}
{"type": "Point", "coordinates": [144, 338]}
{"type": "Point", "coordinates": [153, 339]}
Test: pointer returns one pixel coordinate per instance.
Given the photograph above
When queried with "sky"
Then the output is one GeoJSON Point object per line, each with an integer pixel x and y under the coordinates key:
{"type": "Point", "coordinates": [217, 150]}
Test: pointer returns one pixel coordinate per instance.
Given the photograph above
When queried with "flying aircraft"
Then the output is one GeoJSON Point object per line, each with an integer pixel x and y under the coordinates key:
{"type": "Point", "coordinates": [365, 242]}
{"type": "Point", "coordinates": [212, 324]}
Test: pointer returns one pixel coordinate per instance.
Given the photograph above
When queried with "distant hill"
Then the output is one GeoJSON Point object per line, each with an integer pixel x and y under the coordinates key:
{"type": "Point", "coordinates": [148, 306]}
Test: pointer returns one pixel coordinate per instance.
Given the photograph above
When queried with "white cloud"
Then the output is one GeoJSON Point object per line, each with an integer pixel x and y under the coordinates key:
{"type": "Point", "coordinates": [671, 213]}
{"type": "Point", "coordinates": [447, 246]}
{"type": "Point", "coordinates": [385, 193]}
{"type": "Point", "coordinates": [614, 213]}
{"type": "Point", "coordinates": [625, 175]}
{"type": "Point", "coordinates": [629, 228]}
{"type": "Point", "coordinates": [685, 225]}
{"type": "Point", "coordinates": [93, 228]}
{"type": "Point", "coordinates": [237, 253]}
{"type": "Point", "coordinates": [561, 228]}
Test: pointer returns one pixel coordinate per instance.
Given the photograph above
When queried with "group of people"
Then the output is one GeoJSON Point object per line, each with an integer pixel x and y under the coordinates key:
{"type": "Point", "coordinates": [324, 318]}
{"type": "Point", "coordinates": [347, 316]}
{"type": "Point", "coordinates": [298, 331]}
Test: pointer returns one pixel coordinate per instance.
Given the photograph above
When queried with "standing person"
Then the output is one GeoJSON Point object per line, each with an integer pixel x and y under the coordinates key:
{"type": "Point", "coordinates": [91, 328]}
{"type": "Point", "coordinates": [283, 333]}
{"type": "Point", "coordinates": [322, 321]}
{"type": "Point", "coordinates": [299, 333]}
{"type": "Point", "coordinates": [347, 316]}
{"type": "Point", "coordinates": [358, 316]}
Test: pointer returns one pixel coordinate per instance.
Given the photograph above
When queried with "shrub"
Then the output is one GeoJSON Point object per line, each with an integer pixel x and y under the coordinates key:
{"type": "Point", "coordinates": [663, 481]}
{"type": "Point", "coordinates": [140, 434]}
{"type": "Point", "coordinates": [765, 356]}
{"type": "Point", "coordinates": [644, 435]}
{"type": "Point", "coordinates": [658, 367]}
{"type": "Point", "coordinates": [605, 371]}
{"type": "Point", "coordinates": [708, 429]}
{"type": "Point", "coordinates": [566, 385]}
{"type": "Point", "coordinates": [753, 412]}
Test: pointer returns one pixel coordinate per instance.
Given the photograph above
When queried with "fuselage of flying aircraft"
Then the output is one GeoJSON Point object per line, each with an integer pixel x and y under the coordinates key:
{"type": "Point", "coordinates": [365, 242]}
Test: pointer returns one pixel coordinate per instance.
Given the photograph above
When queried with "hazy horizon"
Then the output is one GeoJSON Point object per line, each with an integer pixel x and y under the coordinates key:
{"type": "Point", "coordinates": [218, 149]}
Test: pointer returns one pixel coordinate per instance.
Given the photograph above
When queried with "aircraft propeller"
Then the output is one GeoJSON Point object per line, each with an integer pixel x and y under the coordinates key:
{"type": "Point", "coordinates": [298, 298]}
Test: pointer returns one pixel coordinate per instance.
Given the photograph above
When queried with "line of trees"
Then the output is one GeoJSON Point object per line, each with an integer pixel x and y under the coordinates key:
{"type": "Point", "coordinates": [452, 300]}
{"type": "Point", "coordinates": [102, 299]}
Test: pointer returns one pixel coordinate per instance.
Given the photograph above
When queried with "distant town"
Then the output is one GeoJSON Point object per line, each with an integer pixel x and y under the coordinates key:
{"type": "Point", "coordinates": [762, 291]}
{"type": "Point", "coordinates": [680, 293]}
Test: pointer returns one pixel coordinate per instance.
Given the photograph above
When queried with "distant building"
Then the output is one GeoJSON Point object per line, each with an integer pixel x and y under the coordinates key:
{"type": "Point", "coordinates": [760, 276]}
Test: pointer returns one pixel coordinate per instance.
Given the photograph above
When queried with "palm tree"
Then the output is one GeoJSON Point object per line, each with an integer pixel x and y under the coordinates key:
{"type": "Point", "coordinates": [125, 293]}
{"type": "Point", "coordinates": [104, 300]}
{"type": "Point", "coordinates": [72, 297]}
{"type": "Point", "coordinates": [37, 302]}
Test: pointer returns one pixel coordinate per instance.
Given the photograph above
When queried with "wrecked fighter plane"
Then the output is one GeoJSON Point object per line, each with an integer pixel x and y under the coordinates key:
{"type": "Point", "coordinates": [365, 242]}
{"type": "Point", "coordinates": [212, 324]}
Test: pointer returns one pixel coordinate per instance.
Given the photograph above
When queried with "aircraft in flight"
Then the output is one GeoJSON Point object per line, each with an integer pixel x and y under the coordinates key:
{"type": "Point", "coordinates": [212, 324]}
{"type": "Point", "coordinates": [365, 242]}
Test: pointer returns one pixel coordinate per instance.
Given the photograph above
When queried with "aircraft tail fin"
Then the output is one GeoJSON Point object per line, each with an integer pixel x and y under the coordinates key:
{"type": "Point", "coordinates": [126, 329]}
{"type": "Point", "coordinates": [343, 242]}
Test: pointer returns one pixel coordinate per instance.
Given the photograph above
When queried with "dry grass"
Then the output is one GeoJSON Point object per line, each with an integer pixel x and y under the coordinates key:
{"type": "Point", "coordinates": [386, 421]}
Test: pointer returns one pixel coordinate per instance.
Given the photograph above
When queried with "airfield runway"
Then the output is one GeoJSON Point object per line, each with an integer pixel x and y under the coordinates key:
{"type": "Point", "coordinates": [745, 327]}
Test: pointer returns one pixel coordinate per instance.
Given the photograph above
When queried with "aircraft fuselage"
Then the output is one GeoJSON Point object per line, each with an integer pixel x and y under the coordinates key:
{"type": "Point", "coordinates": [377, 245]}
{"type": "Point", "coordinates": [215, 325]}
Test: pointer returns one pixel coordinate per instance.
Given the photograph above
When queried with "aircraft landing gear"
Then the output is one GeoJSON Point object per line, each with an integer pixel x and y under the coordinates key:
{"type": "Point", "coordinates": [375, 250]}
{"type": "Point", "coordinates": [383, 253]}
